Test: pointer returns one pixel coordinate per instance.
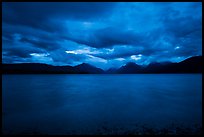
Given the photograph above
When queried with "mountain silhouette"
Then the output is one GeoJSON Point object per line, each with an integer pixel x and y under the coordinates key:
{"type": "Point", "coordinates": [85, 68]}
{"type": "Point", "coordinates": [190, 65]}
{"type": "Point", "coordinates": [129, 68]}
{"type": "Point", "coordinates": [26, 68]}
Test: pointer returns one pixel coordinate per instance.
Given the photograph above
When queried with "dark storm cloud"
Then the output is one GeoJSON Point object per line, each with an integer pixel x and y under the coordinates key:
{"type": "Point", "coordinates": [18, 52]}
{"type": "Point", "coordinates": [38, 14]}
{"type": "Point", "coordinates": [41, 44]}
{"type": "Point", "coordinates": [110, 36]}
{"type": "Point", "coordinates": [26, 33]}
{"type": "Point", "coordinates": [183, 26]}
{"type": "Point", "coordinates": [185, 33]}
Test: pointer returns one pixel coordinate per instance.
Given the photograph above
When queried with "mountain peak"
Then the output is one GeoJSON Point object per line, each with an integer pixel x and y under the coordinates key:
{"type": "Point", "coordinates": [87, 68]}
{"type": "Point", "coordinates": [130, 67]}
{"type": "Point", "coordinates": [131, 64]}
{"type": "Point", "coordinates": [84, 65]}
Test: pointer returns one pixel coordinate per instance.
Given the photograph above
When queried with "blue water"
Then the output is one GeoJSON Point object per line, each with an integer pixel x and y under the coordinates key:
{"type": "Point", "coordinates": [84, 104]}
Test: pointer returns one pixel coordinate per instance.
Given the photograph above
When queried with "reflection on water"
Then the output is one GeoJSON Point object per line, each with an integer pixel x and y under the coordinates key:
{"type": "Point", "coordinates": [94, 104]}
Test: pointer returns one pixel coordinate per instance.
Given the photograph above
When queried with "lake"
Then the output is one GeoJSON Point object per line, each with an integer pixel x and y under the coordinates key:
{"type": "Point", "coordinates": [100, 104]}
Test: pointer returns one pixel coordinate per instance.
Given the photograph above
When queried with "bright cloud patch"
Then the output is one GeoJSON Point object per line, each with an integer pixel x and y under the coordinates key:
{"type": "Point", "coordinates": [136, 57]}
{"type": "Point", "coordinates": [39, 54]}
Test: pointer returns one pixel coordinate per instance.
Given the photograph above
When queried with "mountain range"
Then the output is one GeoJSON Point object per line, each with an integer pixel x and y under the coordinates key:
{"type": "Point", "coordinates": [190, 65]}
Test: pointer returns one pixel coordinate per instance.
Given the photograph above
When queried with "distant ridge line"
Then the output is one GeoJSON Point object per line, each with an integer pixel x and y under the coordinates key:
{"type": "Point", "coordinates": [189, 65]}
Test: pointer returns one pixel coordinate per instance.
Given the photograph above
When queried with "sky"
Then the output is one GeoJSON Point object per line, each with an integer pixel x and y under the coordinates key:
{"type": "Point", "coordinates": [103, 34]}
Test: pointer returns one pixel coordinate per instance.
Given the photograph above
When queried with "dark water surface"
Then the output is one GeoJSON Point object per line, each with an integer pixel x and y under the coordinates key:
{"type": "Point", "coordinates": [94, 104]}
